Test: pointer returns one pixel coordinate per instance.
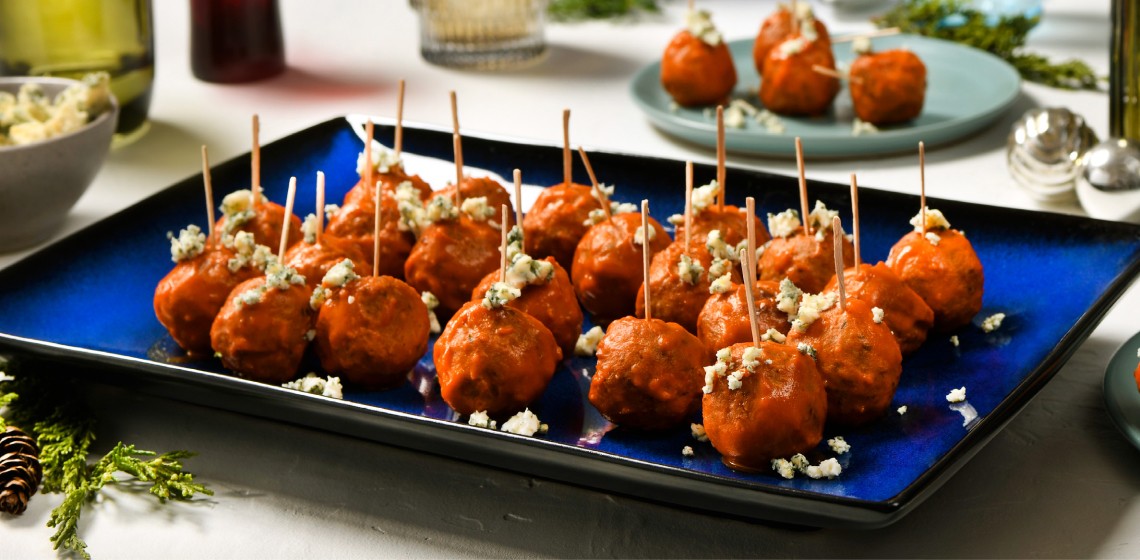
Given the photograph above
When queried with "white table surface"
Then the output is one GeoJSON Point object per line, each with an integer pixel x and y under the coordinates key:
{"type": "Point", "coordinates": [1058, 481]}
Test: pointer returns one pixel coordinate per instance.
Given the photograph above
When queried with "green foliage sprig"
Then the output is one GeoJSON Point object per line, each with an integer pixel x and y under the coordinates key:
{"type": "Point", "coordinates": [953, 21]}
{"type": "Point", "coordinates": [65, 431]}
{"type": "Point", "coordinates": [577, 10]}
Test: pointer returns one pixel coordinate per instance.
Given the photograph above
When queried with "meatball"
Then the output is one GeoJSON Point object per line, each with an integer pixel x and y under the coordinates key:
{"type": "Point", "coordinates": [495, 360]}
{"type": "Point", "coordinates": [724, 318]}
{"type": "Point", "coordinates": [779, 28]}
{"type": "Point", "coordinates": [732, 223]}
{"type": "Point", "coordinates": [261, 332]}
{"type": "Point", "coordinates": [696, 73]}
{"type": "Point", "coordinates": [948, 275]}
{"type": "Point", "coordinates": [557, 221]}
{"type": "Point", "coordinates": [552, 302]}
{"type": "Point", "coordinates": [486, 187]}
{"type": "Point", "coordinates": [355, 224]}
{"type": "Point", "coordinates": [188, 298]}
{"type": "Point", "coordinates": [789, 86]}
{"type": "Point", "coordinates": [676, 300]}
{"type": "Point", "coordinates": [1137, 376]}
{"type": "Point", "coordinates": [313, 260]}
{"type": "Point", "coordinates": [450, 259]}
{"type": "Point", "coordinates": [264, 221]}
{"type": "Point", "coordinates": [858, 358]}
{"type": "Point", "coordinates": [807, 260]}
{"type": "Point", "coordinates": [372, 331]}
{"type": "Point", "coordinates": [607, 265]}
{"type": "Point", "coordinates": [649, 374]}
{"type": "Point", "coordinates": [908, 317]}
{"type": "Point", "coordinates": [887, 87]}
{"type": "Point", "coordinates": [778, 409]}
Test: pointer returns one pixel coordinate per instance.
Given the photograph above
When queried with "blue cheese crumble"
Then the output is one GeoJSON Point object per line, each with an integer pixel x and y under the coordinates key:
{"type": "Point", "coordinates": [340, 274]}
{"type": "Point", "coordinates": [810, 308]}
{"type": "Point", "coordinates": [431, 302]}
{"type": "Point", "coordinates": [934, 220]}
{"type": "Point", "coordinates": [313, 383]}
{"type": "Point", "coordinates": [699, 433]}
{"type": "Point", "coordinates": [954, 341]}
{"type": "Point", "coordinates": [500, 294]}
{"type": "Point", "coordinates": [687, 451]}
{"type": "Point", "coordinates": [413, 214]}
{"type": "Point", "coordinates": [839, 445]}
{"type": "Point", "coordinates": [829, 468]}
{"type": "Point", "coordinates": [689, 271]}
{"type": "Point", "coordinates": [720, 368]}
{"type": "Point", "coordinates": [718, 248]}
{"type": "Point", "coordinates": [788, 300]}
{"type": "Point", "coordinates": [441, 208]}
{"type": "Point", "coordinates": [525, 270]}
{"type": "Point", "coordinates": [721, 285]}
{"type": "Point", "coordinates": [820, 219]}
{"type": "Point", "coordinates": [956, 395]}
{"type": "Point", "coordinates": [705, 196]}
{"type": "Point", "coordinates": [700, 25]}
{"type": "Point", "coordinates": [479, 419]}
{"type": "Point", "coordinates": [901, 410]}
{"type": "Point", "coordinates": [524, 423]}
{"type": "Point", "coordinates": [860, 127]}
{"type": "Point", "coordinates": [877, 314]}
{"type": "Point", "coordinates": [247, 252]}
{"type": "Point", "coordinates": [477, 209]}
{"type": "Point", "coordinates": [783, 224]}
{"type": "Point", "coordinates": [639, 235]}
{"type": "Point", "coordinates": [807, 350]}
{"type": "Point", "coordinates": [190, 243]}
{"type": "Point", "coordinates": [751, 358]}
{"type": "Point", "coordinates": [993, 322]}
{"type": "Point", "coordinates": [773, 335]}
{"type": "Point", "coordinates": [383, 160]}
{"type": "Point", "coordinates": [587, 344]}
{"type": "Point", "coordinates": [933, 238]}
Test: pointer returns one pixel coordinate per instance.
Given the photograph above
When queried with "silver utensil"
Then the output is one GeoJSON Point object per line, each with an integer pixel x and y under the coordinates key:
{"type": "Point", "coordinates": [1109, 185]}
{"type": "Point", "coordinates": [1044, 150]}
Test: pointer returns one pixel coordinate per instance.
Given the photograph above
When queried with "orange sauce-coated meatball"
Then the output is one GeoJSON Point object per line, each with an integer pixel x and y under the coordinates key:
{"type": "Point", "coordinates": [675, 300]}
{"type": "Point", "coordinates": [778, 410]}
{"type": "Point", "coordinates": [557, 221]}
{"type": "Point", "coordinates": [264, 341]}
{"type": "Point", "coordinates": [888, 87]}
{"type": "Point", "coordinates": [948, 276]}
{"type": "Point", "coordinates": [804, 259]}
{"type": "Point", "coordinates": [724, 318]}
{"type": "Point", "coordinates": [355, 224]}
{"type": "Point", "coordinates": [696, 73]}
{"type": "Point", "coordinates": [908, 317]}
{"type": "Point", "coordinates": [607, 266]}
{"type": "Point", "coordinates": [552, 302]}
{"type": "Point", "coordinates": [496, 195]}
{"type": "Point", "coordinates": [494, 360]}
{"type": "Point", "coordinates": [732, 223]}
{"type": "Point", "coordinates": [858, 358]}
{"type": "Point", "coordinates": [188, 298]}
{"type": "Point", "coordinates": [372, 331]}
{"type": "Point", "coordinates": [450, 259]}
{"type": "Point", "coordinates": [1137, 376]}
{"type": "Point", "coordinates": [777, 29]}
{"type": "Point", "coordinates": [313, 260]}
{"type": "Point", "coordinates": [789, 86]}
{"type": "Point", "coordinates": [649, 374]}
{"type": "Point", "coordinates": [265, 225]}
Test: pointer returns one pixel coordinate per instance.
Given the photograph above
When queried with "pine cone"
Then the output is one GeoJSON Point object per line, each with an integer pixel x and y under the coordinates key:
{"type": "Point", "coordinates": [20, 470]}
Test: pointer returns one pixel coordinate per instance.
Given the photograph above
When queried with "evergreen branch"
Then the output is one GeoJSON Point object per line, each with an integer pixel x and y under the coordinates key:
{"type": "Point", "coordinates": [65, 519]}
{"type": "Point", "coordinates": [577, 10]}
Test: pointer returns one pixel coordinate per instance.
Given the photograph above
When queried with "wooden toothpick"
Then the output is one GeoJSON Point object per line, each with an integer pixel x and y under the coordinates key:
{"type": "Point", "coordinates": [567, 158]}
{"type": "Point", "coordinates": [369, 131]}
{"type": "Point", "coordinates": [871, 34]}
{"type": "Point", "coordinates": [688, 204]}
{"type": "Point", "coordinates": [855, 220]}
{"type": "Point", "coordinates": [288, 214]}
{"type": "Point", "coordinates": [321, 205]}
{"type": "Point", "coordinates": [835, 73]}
{"type": "Point", "coordinates": [720, 157]}
{"type": "Point", "coordinates": [922, 185]}
{"type": "Point", "coordinates": [255, 163]}
{"type": "Point", "coordinates": [458, 168]}
{"type": "Point", "coordinates": [803, 185]}
{"type": "Point", "coordinates": [645, 257]}
{"type": "Point", "coordinates": [376, 227]}
{"type": "Point", "coordinates": [837, 237]}
{"type": "Point", "coordinates": [503, 247]}
{"type": "Point", "coordinates": [748, 263]}
{"type": "Point", "coordinates": [399, 147]}
{"type": "Point", "coordinates": [518, 201]}
{"type": "Point", "coordinates": [208, 184]}
{"type": "Point", "coordinates": [594, 181]}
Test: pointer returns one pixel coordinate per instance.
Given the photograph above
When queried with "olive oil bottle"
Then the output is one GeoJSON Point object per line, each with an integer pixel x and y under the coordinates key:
{"type": "Point", "coordinates": [70, 38]}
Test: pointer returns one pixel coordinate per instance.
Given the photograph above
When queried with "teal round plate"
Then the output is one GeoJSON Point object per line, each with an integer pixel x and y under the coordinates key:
{"type": "Point", "coordinates": [967, 89]}
{"type": "Point", "coordinates": [1121, 396]}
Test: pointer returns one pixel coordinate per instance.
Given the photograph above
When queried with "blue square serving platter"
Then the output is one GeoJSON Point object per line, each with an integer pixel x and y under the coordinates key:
{"type": "Point", "coordinates": [86, 302]}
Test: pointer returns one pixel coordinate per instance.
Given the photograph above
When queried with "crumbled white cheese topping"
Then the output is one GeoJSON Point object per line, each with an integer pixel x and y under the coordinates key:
{"type": "Point", "coordinates": [340, 274]}
{"type": "Point", "coordinates": [477, 209]}
{"type": "Point", "coordinates": [784, 468]}
{"type": "Point", "coordinates": [639, 236]}
{"type": "Point", "coordinates": [413, 214]}
{"type": "Point", "coordinates": [189, 244]}
{"type": "Point", "coordinates": [499, 294]}
{"type": "Point", "coordinates": [720, 368]}
{"type": "Point", "coordinates": [774, 336]}
{"type": "Point", "coordinates": [954, 340]}
{"type": "Point", "coordinates": [751, 358]}
{"type": "Point", "coordinates": [431, 302]}
{"type": "Point", "coordinates": [351, 300]}
{"type": "Point", "coordinates": [247, 252]}
{"type": "Point", "coordinates": [698, 431]}
{"type": "Point", "coordinates": [718, 248]}
{"type": "Point", "coordinates": [792, 46]}
{"type": "Point", "coordinates": [862, 128]}
{"type": "Point", "coordinates": [524, 423]}
{"type": "Point", "coordinates": [783, 224]}
{"type": "Point", "coordinates": [934, 220]}
{"type": "Point", "coordinates": [310, 334]}
{"type": "Point", "coordinates": [820, 219]}
{"type": "Point", "coordinates": [524, 270]}
{"type": "Point", "coordinates": [312, 383]}
{"type": "Point", "coordinates": [251, 296]}
{"type": "Point", "coordinates": [861, 45]}
{"type": "Point", "coordinates": [705, 196]}
{"type": "Point", "coordinates": [770, 121]}
{"type": "Point", "coordinates": [722, 284]}
{"type": "Point", "coordinates": [902, 410]}
{"type": "Point", "coordinates": [956, 395]}
{"type": "Point", "coordinates": [441, 208]}
{"type": "Point", "coordinates": [30, 116]}
{"type": "Point", "coordinates": [383, 160]}
{"type": "Point", "coordinates": [689, 271]}
{"type": "Point", "coordinates": [587, 344]}
{"type": "Point", "coordinates": [933, 238]}
{"type": "Point", "coordinates": [309, 229]}
{"type": "Point", "coordinates": [719, 267]}
{"type": "Point", "coordinates": [828, 468]}
{"type": "Point", "coordinates": [479, 419]}
{"type": "Point", "coordinates": [799, 461]}
{"type": "Point", "coordinates": [320, 294]}
{"type": "Point", "coordinates": [810, 308]}
{"type": "Point", "coordinates": [282, 277]}
{"type": "Point", "coordinates": [676, 219]}
{"type": "Point", "coordinates": [598, 215]}
{"type": "Point", "coordinates": [839, 445]}
{"type": "Point", "coordinates": [877, 314]}
{"type": "Point", "coordinates": [788, 300]}
{"type": "Point", "coordinates": [700, 25]}
{"type": "Point", "coordinates": [238, 202]}
{"type": "Point", "coordinates": [623, 208]}
{"type": "Point", "coordinates": [514, 242]}
{"type": "Point", "coordinates": [993, 322]}
{"type": "Point", "coordinates": [687, 451]}
{"type": "Point", "coordinates": [734, 380]}
{"type": "Point", "coordinates": [806, 18]}
{"type": "Point", "coordinates": [807, 350]}
{"type": "Point", "coordinates": [734, 117]}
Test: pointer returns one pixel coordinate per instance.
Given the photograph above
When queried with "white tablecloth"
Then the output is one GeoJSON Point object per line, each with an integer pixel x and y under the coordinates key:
{"type": "Point", "coordinates": [1057, 481]}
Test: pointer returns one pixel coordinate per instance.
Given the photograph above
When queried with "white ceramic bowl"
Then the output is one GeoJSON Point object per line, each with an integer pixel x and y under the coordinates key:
{"type": "Point", "coordinates": [40, 182]}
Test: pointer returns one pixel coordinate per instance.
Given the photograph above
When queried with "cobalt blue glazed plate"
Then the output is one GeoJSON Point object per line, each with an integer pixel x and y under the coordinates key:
{"type": "Point", "coordinates": [86, 302]}
{"type": "Point", "coordinates": [966, 90]}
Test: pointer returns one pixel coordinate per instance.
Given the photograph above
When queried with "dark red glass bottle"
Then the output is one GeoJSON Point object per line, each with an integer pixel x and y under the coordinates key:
{"type": "Point", "coordinates": [233, 41]}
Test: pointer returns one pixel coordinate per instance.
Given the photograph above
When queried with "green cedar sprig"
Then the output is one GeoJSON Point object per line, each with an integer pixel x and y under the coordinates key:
{"type": "Point", "coordinates": [65, 431]}
{"type": "Point", "coordinates": [952, 20]}
{"type": "Point", "coordinates": [577, 10]}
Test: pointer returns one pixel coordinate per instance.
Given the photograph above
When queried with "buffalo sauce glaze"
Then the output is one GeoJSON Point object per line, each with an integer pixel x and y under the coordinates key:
{"type": "Point", "coordinates": [264, 341]}
{"type": "Point", "coordinates": [776, 29]}
{"type": "Point", "coordinates": [188, 298]}
{"type": "Point", "coordinates": [887, 87]}
{"type": "Point", "coordinates": [676, 300]}
{"type": "Point", "coordinates": [607, 266]}
{"type": "Point", "coordinates": [485, 187]}
{"type": "Point", "coordinates": [907, 315]}
{"type": "Point", "coordinates": [313, 260]}
{"type": "Point", "coordinates": [648, 375]}
{"type": "Point", "coordinates": [724, 318]}
{"type": "Point", "coordinates": [789, 86]}
{"type": "Point", "coordinates": [806, 260]}
{"type": "Point", "coordinates": [450, 259]}
{"type": "Point", "coordinates": [778, 410]}
{"type": "Point", "coordinates": [732, 223]}
{"type": "Point", "coordinates": [266, 225]}
{"type": "Point", "coordinates": [552, 302]}
{"type": "Point", "coordinates": [557, 221]}
{"type": "Point", "coordinates": [696, 73]}
{"type": "Point", "coordinates": [355, 224]}
{"type": "Point", "coordinates": [494, 360]}
{"type": "Point", "coordinates": [948, 275]}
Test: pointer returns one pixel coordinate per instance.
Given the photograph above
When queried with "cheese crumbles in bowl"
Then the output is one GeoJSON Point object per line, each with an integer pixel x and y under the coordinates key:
{"type": "Point", "coordinates": [54, 135]}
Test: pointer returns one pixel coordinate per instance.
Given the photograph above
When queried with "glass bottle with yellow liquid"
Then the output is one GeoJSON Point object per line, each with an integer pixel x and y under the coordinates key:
{"type": "Point", "coordinates": [70, 38]}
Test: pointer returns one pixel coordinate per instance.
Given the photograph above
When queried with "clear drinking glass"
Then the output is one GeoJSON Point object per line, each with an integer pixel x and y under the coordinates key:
{"type": "Point", "coordinates": [70, 38]}
{"type": "Point", "coordinates": [482, 34]}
